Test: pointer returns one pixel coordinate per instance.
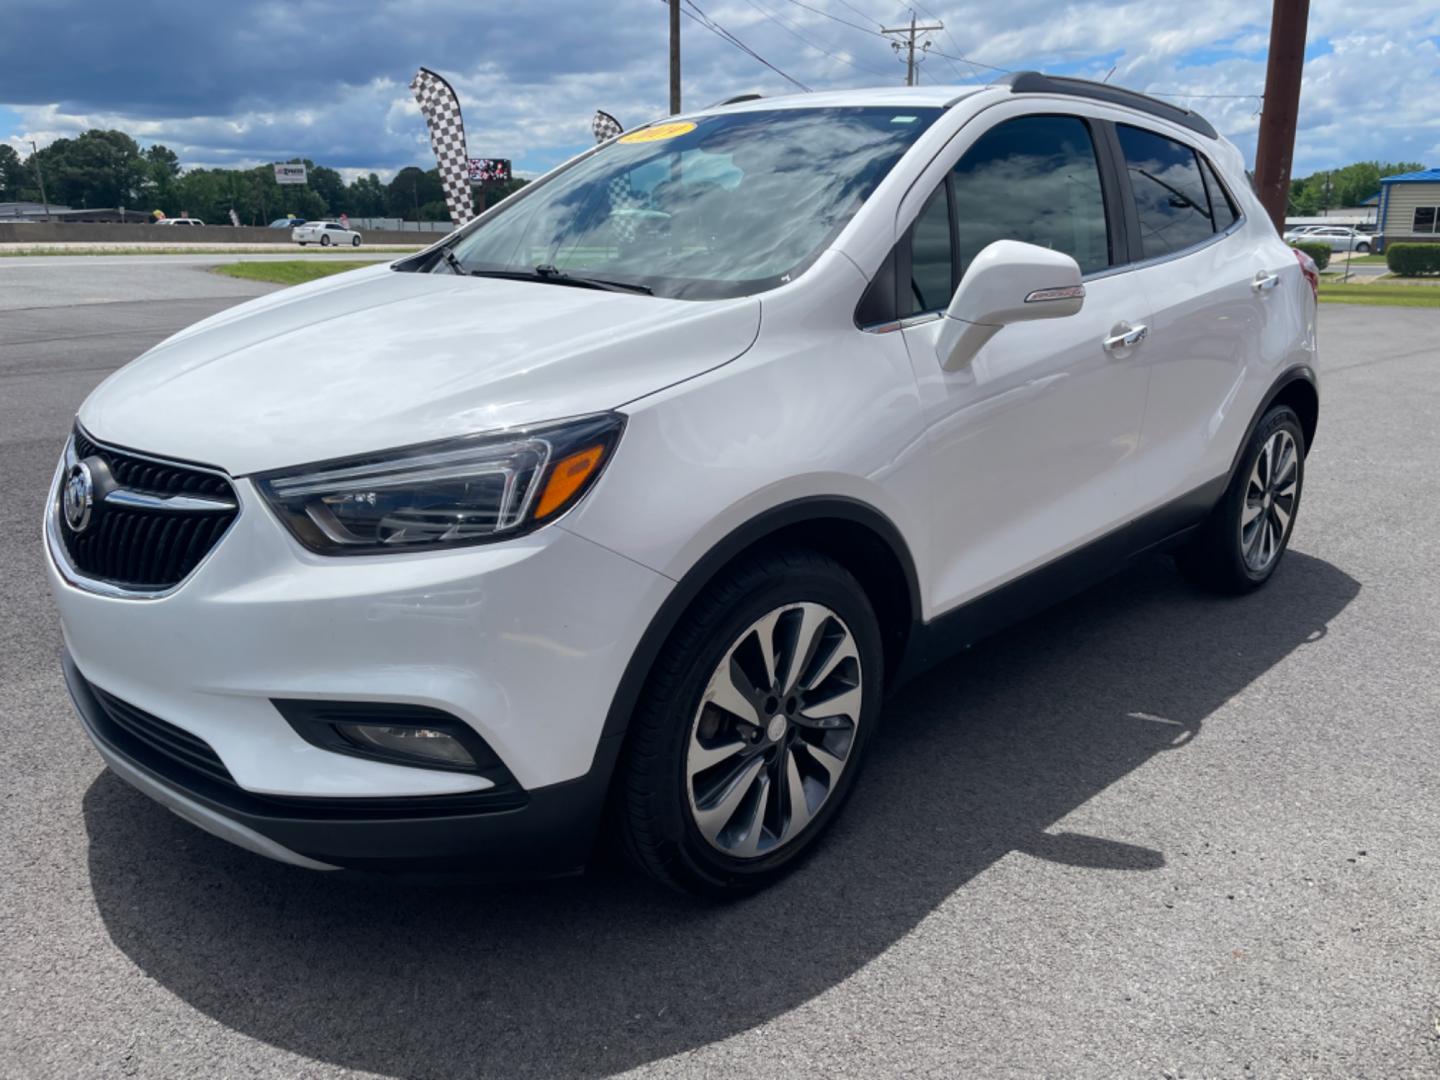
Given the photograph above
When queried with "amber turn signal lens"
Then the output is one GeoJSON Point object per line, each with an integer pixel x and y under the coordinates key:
{"type": "Point", "coordinates": [566, 478]}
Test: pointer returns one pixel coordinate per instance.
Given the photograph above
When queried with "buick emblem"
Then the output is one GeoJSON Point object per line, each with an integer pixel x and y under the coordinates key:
{"type": "Point", "coordinates": [78, 497]}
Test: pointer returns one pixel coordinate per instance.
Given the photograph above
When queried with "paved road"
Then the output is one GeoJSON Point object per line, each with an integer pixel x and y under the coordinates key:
{"type": "Point", "coordinates": [1150, 834]}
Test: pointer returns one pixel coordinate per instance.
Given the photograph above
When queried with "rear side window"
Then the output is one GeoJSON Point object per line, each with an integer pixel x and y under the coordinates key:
{"type": "Point", "coordinates": [1222, 209]}
{"type": "Point", "coordinates": [1034, 179]}
{"type": "Point", "coordinates": [1169, 192]}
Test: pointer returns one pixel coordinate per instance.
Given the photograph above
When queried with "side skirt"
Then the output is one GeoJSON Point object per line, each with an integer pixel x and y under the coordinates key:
{"type": "Point", "coordinates": [1166, 527]}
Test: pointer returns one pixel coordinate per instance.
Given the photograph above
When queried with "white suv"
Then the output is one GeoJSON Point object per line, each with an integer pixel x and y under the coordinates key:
{"type": "Point", "coordinates": [627, 504]}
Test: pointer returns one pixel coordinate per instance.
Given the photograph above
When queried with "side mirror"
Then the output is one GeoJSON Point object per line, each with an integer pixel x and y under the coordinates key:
{"type": "Point", "coordinates": [1008, 282]}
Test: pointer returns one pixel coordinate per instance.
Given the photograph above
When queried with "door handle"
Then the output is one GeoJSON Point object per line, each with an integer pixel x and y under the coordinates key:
{"type": "Point", "coordinates": [1125, 339]}
{"type": "Point", "coordinates": [1265, 282]}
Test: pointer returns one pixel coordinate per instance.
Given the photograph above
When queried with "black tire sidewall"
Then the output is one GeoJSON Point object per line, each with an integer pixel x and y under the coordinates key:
{"type": "Point", "coordinates": [1282, 416]}
{"type": "Point", "coordinates": [701, 864]}
{"type": "Point", "coordinates": [324, 241]}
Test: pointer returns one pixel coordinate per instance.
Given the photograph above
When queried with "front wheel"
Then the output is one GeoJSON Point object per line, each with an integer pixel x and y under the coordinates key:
{"type": "Point", "coordinates": [324, 241]}
{"type": "Point", "coordinates": [1362, 248]}
{"type": "Point", "coordinates": [355, 241]}
{"type": "Point", "coordinates": [752, 726]}
{"type": "Point", "coordinates": [1240, 544]}
{"type": "Point", "coordinates": [300, 242]}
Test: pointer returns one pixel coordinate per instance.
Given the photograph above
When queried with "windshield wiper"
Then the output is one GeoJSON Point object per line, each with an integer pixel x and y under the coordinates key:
{"type": "Point", "coordinates": [547, 272]}
{"type": "Point", "coordinates": [453, 261]}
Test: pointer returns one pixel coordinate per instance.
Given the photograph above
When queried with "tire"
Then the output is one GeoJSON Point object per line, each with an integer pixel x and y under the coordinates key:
{"type": "Point", "coordinates": [1362, 248]}
{"type": "Point", "coordinates": [300, 242]}
{"type": "Point", "coordinates": [355, 241]}
{"type": "Point", "coordinates": [691, 810]}
{"type": "Point", "coordinates": [1232, 556]}
{"type": "Point", "coordinates": [324, 241]}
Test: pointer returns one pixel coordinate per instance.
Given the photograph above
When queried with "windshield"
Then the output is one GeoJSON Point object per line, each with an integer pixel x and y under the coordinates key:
{"type": "Point", "coordinates": [698, 209]}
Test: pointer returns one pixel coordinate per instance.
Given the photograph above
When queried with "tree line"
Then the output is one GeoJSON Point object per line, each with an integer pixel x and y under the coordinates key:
{"type": "Point", "coordinates": [1350, 186]}
{"type": "Point", "coordinates": [101, 169]}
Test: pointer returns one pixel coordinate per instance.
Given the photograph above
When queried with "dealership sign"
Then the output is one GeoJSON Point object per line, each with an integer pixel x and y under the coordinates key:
{"type": "Point", "coordinates": [486, 170]}
{"type": "Point", "coordinates": [290, 174]}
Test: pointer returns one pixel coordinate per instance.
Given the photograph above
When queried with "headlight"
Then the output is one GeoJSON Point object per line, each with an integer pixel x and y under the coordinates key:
{"type": "Point", "coordinates": [463, 491]}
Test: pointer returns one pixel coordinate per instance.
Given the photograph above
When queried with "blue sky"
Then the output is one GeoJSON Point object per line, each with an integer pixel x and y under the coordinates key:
{"type": "Point", "coordinates": [327, 79]}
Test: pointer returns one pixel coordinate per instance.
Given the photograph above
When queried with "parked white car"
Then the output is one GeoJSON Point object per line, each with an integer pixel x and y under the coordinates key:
{"type": "Point", "coordinates": [567, 521]}
{"type": "Point", "coordinates": [1340, 238]}
{"type": "Point", "coordinates": [180, 221]}
{"type": "Point", "coordinates": [324, 233]}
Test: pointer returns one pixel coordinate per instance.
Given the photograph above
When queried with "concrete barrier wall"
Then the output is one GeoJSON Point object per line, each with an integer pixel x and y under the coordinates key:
{"type": "Point", "coordinates": [60, 232]}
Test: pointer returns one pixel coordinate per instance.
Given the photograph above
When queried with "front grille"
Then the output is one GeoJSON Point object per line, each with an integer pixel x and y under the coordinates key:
{"type": "Point", "coordinates": [176, 744]}
{"type": "Point", "coordinates": [147, 548]}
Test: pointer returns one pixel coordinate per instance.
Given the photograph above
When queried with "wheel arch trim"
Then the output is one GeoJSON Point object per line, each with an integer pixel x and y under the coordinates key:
{"type": "Point", "coordinates": [764, 525]}
{"type": "Point", "coordinates": [1300, 373]}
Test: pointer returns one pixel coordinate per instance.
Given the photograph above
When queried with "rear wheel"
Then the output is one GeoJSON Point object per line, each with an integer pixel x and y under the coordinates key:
{"type": "Point", "coordinates": [300, 242]}
{"type": "Point", "coordinates": [1240, 545]}
{"type": "Point", "coordinates": [752, 726]}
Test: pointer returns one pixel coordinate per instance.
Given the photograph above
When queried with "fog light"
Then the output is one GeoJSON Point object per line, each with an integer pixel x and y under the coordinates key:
{"type": "Point", "coordinates": [425, 743]}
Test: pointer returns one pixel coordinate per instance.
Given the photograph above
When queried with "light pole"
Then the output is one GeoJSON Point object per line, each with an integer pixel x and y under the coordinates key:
{"type": "Point", "coordinates": [40, 176]}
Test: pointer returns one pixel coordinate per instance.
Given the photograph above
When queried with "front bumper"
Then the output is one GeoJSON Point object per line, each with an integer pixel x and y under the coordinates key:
{"type": "Point", "coordinates": [545, 832]}
{"type": "Point", "coordinates": [525, 641]}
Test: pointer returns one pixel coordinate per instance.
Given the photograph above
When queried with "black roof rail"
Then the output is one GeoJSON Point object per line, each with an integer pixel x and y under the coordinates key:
{"type": "Point", "coordinates": [1035, 82]}
{"type": "Point", "coordinates": [736, 100]}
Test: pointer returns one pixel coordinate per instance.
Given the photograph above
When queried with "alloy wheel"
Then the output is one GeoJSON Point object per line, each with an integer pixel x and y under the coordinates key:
{"type": "Point", "coordinates": [1269, 501]}
{"type": "Point", "coordinates": [774, 730]}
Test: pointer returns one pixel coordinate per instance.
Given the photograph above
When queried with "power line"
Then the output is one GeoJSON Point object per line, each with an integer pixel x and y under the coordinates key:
{"type": "Point", "coordinates": [973, 63]}
{"type": "Point", "coordinates": [862, 14]}
{"type": "Point", "coordinates": [778, 21]}
{"type": "Point", "coordinates": [836, 18]}
{"type": "Point", "coordinates": [715, 28]}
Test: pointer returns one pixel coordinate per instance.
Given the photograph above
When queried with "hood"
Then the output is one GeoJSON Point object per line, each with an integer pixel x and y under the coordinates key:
{"type": "Point", "coordinates": [377, 358]}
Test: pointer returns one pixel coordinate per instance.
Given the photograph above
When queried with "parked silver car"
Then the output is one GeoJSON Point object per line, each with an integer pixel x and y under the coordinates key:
{"type": "Point", "coordinates": [1340, 238]}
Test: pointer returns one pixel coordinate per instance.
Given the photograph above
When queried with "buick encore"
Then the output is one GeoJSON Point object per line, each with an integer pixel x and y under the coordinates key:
{"type": "Point", "coordinates": [622, 508]}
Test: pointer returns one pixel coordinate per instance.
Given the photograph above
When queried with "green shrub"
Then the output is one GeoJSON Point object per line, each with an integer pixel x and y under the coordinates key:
{"type": "Point", "coordinates": [1319, 252]}
{"type": "Point", "coordinates": [1411, 260]}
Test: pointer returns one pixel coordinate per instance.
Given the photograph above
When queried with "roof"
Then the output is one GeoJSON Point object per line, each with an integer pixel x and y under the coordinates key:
{"type": "Point", "coordinates": [882, 97]}
{"type": "Point", "coordinates": [1424, 176]}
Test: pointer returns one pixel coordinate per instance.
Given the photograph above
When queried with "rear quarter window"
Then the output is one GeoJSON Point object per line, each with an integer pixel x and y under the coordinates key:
{"type": "Point", "coordinates": [1170, 195]}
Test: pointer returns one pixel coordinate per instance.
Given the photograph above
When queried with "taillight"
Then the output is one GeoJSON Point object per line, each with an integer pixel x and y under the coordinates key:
{"type": "Point", "coordinates": [1309, 269]}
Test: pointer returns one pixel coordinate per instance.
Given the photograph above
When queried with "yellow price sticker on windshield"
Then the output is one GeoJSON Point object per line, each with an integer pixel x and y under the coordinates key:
{"type": "Point", "coordinates": [659, 132]}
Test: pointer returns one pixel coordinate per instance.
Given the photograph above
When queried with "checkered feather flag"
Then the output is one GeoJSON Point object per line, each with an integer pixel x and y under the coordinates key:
{"type": "Point", "coordinates": [605, 126]}
{"type": "Point", "coordinates": [441, 109]}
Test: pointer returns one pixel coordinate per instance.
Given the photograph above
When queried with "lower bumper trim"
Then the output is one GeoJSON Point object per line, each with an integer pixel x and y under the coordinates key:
{"type": "Point", "coordinates": [551, 833]}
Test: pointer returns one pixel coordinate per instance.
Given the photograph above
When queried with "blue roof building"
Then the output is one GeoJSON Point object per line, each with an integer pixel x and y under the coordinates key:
{"type": "Point", "coordinates": [1410, 207]}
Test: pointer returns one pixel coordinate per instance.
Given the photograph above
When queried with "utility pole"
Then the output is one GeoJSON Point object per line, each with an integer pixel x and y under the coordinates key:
{"type": "Point", "coordinates": [40, 176]}
{"type": "Point", "coordinates": [1276, 145]}
{"type": "Point", "coordinates": [908, 44]}
{"type": "Point", "coordinates": [674, 57]}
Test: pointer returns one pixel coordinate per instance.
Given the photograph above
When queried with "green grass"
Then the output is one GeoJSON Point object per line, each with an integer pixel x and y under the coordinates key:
{"type": "Point", "coordinates": [288, 273]}
{"type": "Point", "coordinates": [1380, 295]}
{"type": "Point", "coordinates": [1367, 260]}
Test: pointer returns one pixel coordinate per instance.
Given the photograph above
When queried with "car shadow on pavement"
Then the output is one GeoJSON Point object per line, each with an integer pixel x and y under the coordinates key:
{"type": "Point", "coordinates": [589, 976]}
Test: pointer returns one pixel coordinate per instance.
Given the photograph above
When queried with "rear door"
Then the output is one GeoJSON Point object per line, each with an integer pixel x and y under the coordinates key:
{"type": "Point", "coordinates": [1212, 282]}
{"type": "Point", "coordinates": [1031, 443]}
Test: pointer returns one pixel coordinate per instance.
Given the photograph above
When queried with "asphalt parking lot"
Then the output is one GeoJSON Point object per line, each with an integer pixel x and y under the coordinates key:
{"type": "Point", "coordinates": [1148, 834]}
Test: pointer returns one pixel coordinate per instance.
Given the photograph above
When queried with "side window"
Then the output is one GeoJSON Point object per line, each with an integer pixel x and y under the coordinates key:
{"type": "Point", "coordinates": [931, 286]}
{"type": "Point", "coordinates": [1034, 179]}
{"type": "Point", "coordinates": [1221, 205]}
{"type": "Point", "coordinates": [1169, 192]}
{"type": "Point", "coordinates": [1424, 221]}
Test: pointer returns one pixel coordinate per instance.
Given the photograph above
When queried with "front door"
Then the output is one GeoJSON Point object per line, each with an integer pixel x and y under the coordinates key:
{"type": "Point", "coordinates": [1033, 443]}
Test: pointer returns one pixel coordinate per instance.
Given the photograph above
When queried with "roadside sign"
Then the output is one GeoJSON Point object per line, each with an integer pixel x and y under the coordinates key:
{"type": "Point", "coordinates": [290, 174]}
{"type": "Point", "coordinates": [487, 169]}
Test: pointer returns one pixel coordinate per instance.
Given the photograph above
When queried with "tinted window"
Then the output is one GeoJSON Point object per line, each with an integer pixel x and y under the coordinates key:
{"type": "Point", "coordinates": [1424, 220]}
{"type": "Point", "coordinates": [1222, 209]}
{"type": "Point", "coordinates": [930, 266]}
{"type": "Point", "coordinates": [1169, 193]}
{"type": "Point", "coordinates": [1033, 179]}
